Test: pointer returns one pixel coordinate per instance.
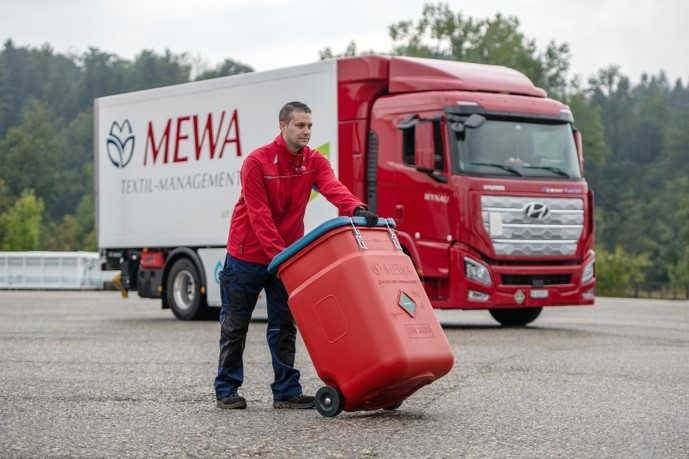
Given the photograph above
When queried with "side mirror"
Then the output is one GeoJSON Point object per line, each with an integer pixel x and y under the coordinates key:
{"type": "Point", "coordinates": [580, 149]}
{"type": "Point", "coordinates": [424, 154]}
{"type": "Point", "coordinates": [475, 121]}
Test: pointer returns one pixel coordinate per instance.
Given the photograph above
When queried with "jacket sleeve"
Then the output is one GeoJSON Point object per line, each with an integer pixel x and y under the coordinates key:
{"type": "Point", "coordinates": [260, 216]}
{"type": "Point", "coordinates": [334, 191]}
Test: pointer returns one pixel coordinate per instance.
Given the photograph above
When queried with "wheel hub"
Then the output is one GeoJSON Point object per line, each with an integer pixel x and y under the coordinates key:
{"type": "Point", "coordinates": [184, 290]}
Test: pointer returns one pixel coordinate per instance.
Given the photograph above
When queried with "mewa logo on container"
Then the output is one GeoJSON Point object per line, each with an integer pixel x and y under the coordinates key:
{"type": "Point", "coordinates": [177, 140]}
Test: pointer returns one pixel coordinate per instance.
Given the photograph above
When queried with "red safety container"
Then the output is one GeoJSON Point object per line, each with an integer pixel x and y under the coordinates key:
{"type": "Point", "coordinates": [364, 316]}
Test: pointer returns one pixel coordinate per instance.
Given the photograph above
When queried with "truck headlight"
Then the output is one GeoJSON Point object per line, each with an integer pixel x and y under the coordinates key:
{"type": "Point", "coordinates": [589, 271]}
{"type": "Point", "coordinates": [477, 272]}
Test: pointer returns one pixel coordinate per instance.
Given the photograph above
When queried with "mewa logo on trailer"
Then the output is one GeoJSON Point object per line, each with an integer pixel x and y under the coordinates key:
{"type": "Point", "coordinates": [169, 145]}
{"type": "Point", "coordinates": [120, 143]}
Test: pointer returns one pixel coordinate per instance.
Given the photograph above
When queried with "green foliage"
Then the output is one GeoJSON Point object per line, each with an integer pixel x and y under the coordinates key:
{"type": "Point", "coordinates": [443, 34]}
{"type": "Point", "coordinates": [225, 68]}
{"type": "Point", "coordinates": [28, 74]}
{"type": "Point", "coordinates": [641, 186]}
{"type": "Point", "coordinates": [679, 270]}
{"type": "Point", "coordinates": [46, 133]}
{"type": "Point", "coordinates": [350, 51]}
{"type": "Point", "coordinates": [618, 272]}
{"type": "Point", "coordinates": [150, 70]}
{"type": "Point", "coordinates": [20, 225]}
{"type": "Point", "coordinates": [30, 155]}
{"type": "Point", "coordinates": [72, 232]}
{"type": "Point", "coordinates": [587, 116]}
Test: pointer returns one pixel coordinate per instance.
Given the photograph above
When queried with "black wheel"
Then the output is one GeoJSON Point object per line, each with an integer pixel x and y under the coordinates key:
{"type": "Point", "coordinates": [183, 290]}
{"type": "Point", "coordinates": [329, 401]}
{"type": "Point", "coordinates": [393, 407]}
{"type": "Point", "coordinates": [517, 317]}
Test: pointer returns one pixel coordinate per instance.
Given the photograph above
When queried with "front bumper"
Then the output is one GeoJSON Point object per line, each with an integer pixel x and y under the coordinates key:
{"type": "Point", "coordinates": [463, 293]}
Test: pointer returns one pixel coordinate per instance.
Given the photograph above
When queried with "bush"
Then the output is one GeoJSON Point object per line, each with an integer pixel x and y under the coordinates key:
{"type": "Point", "coordinates": [618, 272]}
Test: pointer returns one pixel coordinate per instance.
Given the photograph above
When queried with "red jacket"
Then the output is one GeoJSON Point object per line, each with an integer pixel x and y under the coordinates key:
{"type": "Point", "coordinates": [276, 186]}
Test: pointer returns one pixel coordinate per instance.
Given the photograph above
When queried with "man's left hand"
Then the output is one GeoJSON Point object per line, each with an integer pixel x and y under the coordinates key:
{"type": "Point", "coordinates": [371, 218]}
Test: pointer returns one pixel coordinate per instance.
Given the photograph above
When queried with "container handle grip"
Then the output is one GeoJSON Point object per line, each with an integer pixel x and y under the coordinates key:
{"type": "Point", "coordinates": [393, 236]}
{"type": "Point", "coordinates": [358, 236]}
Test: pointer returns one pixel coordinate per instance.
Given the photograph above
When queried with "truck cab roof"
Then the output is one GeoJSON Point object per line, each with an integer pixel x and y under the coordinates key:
{"type": "Point", "coordinates": [408, 74]}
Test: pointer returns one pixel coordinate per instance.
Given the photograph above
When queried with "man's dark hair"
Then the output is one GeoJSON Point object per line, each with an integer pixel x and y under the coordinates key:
{"type": "Point", "coordinates": [290, 107]}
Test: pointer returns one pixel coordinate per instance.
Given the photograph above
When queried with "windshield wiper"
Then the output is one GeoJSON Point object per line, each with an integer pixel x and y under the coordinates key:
{"type": "Point", "coordinates": [512, 170]}
{"type": "Point", "coordinates": [555, 170]}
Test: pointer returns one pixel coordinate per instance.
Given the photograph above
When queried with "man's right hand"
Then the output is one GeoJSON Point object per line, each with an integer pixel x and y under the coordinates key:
{"type": "Point", "coordinates": [371, 218]}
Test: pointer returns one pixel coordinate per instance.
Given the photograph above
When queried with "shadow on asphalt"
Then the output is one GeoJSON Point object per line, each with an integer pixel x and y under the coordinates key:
{"type": "Point", "coordinates": [384, 414]}
{"type": "Point", "coordinates": [456, 326]}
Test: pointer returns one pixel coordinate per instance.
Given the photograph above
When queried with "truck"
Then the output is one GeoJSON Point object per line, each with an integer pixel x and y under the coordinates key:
{"type": "Point", "coordinates": [482, 172]}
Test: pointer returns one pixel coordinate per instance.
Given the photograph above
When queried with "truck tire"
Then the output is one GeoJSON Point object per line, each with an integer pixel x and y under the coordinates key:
{"type": "Point", "coordinates": [517, 317]}
{"type": "Point", "coordinates": [183, 291]}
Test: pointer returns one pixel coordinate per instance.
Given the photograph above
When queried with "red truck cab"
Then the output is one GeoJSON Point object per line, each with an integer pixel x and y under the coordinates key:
{"type": "Point", "coordinates": [483, 174]}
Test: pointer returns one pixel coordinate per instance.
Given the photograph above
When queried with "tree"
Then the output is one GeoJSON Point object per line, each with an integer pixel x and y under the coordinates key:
{"type": "Point", "coordinates": [30, 155]}
{"type": "Point", "coordinates": [618, 272]}
{"type": "Point", "coordinates": [36, 74]}
{"type": "Point", "coordinates": [20, 226]}
{"type": "Point", "coordinates": [350, 51]}
{"type": "Point", "coordinates": [587, 117]}
{"type": "Point", "coordinates": [151, 70]}
{"type": "Point", "coordinates": [225, 68]}
{"type": "Point", "coordinates": [444, 34]}
{"type": "Point", "coordinates": [102, 74]}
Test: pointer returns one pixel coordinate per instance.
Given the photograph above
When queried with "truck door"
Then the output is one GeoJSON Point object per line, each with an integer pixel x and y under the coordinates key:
{"type": "Point", "coordinates": [412, 183]}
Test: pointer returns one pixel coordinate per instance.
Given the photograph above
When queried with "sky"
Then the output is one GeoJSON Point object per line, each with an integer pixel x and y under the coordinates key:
{"type": "Point", "coordinates": [637, 35]}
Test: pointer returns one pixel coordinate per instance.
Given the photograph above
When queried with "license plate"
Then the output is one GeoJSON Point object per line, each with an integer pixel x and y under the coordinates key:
{"type": "Point", "coordinates": [539, 293]}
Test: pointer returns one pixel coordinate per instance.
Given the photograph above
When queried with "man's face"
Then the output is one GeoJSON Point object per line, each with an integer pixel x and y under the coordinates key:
{"type": "Point", "coordinates": [297, 132]}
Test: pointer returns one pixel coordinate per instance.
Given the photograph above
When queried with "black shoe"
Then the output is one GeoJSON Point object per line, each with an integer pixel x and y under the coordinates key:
{"type": "Point", "coordinates": [232, 402]}
{"type": "Point", "coordinates": [300, 402]}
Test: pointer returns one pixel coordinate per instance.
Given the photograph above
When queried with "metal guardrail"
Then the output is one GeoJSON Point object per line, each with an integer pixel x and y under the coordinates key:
{"type": "Point", "coordinates": [651, 290]}
{"type": "Point", "coordinates": [51, 271]}
{"type": "Point", "coordinates": [658, 290]}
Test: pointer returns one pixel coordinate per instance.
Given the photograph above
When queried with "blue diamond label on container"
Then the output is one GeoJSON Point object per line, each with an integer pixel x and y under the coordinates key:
{"type": "Point", "coordinates": [407, 304]}
{"type": "Point", "coordinates": [519, 297]}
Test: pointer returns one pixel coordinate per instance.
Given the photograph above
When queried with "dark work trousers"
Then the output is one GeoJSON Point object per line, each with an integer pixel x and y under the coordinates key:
{"type": "Point", "coordinates": [240, 284]}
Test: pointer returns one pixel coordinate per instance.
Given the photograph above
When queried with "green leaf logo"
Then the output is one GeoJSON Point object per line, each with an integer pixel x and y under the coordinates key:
{"type": "Point", "coordinates": [325, 151]}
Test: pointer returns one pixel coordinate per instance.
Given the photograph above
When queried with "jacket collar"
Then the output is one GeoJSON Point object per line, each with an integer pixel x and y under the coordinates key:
{"type": "Point", "coordinates": [284, 155]}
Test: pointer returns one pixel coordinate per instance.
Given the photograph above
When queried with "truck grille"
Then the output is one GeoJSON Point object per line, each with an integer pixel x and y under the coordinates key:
{"type": "Point", "coordinates": [533, 227]}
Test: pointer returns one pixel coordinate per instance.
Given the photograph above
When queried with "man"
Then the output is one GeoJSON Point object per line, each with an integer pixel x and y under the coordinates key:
{"type": "Point", "coordinates": [277, 180]}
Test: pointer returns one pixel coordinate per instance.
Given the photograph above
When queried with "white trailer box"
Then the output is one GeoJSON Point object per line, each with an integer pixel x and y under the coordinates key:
{"type": "Point", "coordinates": [168, 159]}
{"type": "Point", "coordinates": [168, 162]}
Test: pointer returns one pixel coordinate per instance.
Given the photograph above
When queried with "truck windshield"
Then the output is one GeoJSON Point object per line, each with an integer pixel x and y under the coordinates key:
{"type": "Point", "coordinates": [517, 149]}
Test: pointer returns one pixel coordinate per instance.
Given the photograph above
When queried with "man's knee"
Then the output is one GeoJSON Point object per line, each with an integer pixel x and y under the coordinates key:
{"type": "Point", "coordinates": [235, 323]}
{"type": "Point", "coordinates": [286, 341]}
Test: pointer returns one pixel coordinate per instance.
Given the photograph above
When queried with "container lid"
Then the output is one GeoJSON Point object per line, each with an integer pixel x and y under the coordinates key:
{"type": "Point", "coordinates": [319, 231]}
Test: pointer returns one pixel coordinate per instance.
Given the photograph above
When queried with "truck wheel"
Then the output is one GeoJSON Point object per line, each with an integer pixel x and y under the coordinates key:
{"type": "Point", "coordinates": [517, 317]}
{"type": "Point", "coordinates": [183, 290]}
{"type": "Point", "coordinates": [329, 401]}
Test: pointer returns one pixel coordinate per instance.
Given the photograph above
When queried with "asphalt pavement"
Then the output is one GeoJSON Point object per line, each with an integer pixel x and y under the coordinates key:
{"type": "Point", "coordinates": [89, 374]}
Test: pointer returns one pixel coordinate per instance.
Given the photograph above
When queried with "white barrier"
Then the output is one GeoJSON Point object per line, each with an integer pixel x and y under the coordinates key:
{"type": "Point", "coordinates": [50, 270]}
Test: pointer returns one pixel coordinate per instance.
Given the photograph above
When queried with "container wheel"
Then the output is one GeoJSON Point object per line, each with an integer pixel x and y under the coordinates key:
{"type": "Point", "coordinates": [517, 317]}
{"type": "Point", "coordinates": [329, 401]}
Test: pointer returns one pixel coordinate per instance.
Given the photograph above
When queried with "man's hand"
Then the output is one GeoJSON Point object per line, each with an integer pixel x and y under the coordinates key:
{"type": "Point", "coordinates": [371, 218]}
